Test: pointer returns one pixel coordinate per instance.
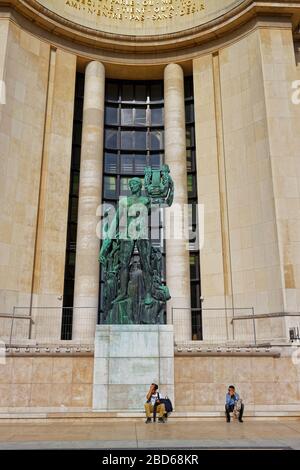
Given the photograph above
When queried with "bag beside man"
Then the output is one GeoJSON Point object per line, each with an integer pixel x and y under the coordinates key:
{"type": "Point", "coordinates": [168, 407]}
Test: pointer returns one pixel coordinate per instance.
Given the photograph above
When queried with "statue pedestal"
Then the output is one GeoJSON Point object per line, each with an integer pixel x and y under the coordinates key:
{"type": "Point", "coordinates": [128, 358]}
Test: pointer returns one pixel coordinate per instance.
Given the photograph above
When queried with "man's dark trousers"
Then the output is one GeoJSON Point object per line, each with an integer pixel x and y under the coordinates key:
{"type": "Point", "coordinates": [230, 408]}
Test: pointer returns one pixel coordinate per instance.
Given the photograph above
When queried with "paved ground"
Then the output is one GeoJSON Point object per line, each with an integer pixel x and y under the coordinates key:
{"type": "Point", "coordinates": [110, 435]}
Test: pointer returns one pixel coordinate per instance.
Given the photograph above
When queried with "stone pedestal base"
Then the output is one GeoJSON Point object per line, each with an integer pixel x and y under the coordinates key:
{"type": "Point", "coordinates": [128, 358]}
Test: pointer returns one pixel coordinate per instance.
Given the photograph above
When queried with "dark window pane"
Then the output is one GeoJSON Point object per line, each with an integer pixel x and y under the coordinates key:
{"type": "Point", "coordinates": [112, 91]}
{"type": "Point", "coordinates": [140, 140]}
{"type": "Point", "coordinates": [189, 163]}
{"type": "Point", "coordinates": [127, 163]}
{"type": "Point", "coordinates": [127, 140]}
{"type": "Point", "coordinates": [77, 129]}
{"type": "Point", "coordinates": [111, 162]}
{"type": "Point", "coordinates": [110, 186]}
{"type": "Point", "coordinates": [157, 140]}
{"type": "Point", "coordinates": [141, 93]}
{"type": "Point", "coordinates": [189, 112]}
{"type": "Point", "coordinates": [112, 115]}
{"type": "Point", "coordinates": [194, 266]}
{"type": "Point", "coordinates": [72, 233]}
{"type": "Point", "coordinates": [140, 163]}
{"type": "Point", "coordinates": [126, 116]}
{"type": "Point", "coordinates": [127, 92]}
{"type": "Point", "coordinates": [140, 117]}
{"type": "Point", "coordinates": [75, 184]}
{"type": "Point", "coordinates": [70, 266]}
{"type": "Point", "coordinates": [190, 158]}
{"type": "Point", "coordinates": [124, 188]}
{"type": "Point", "coordinates": [196, 303]}
{"type": "Point", "coordinates": [195, 299]}
{"type": "Point", "coordinates": [157, 118]}
{"type": "Point", "coordinates": [156, 93]}
{"type": "Point", "coordinates": [111, 138]}
{"type": "Point", "coordinates": [156, 160]}
{"type": "Point", "coordinates": [191, 183]}
{"type": "Point", "coordinates": [71, 258]}
{"type": "Point", "coordinates": [190, 136]}
{"type": "Point", "coordinates": [78, 110]}
{"type": "Point", "coordinates": [188, 88]}
{"type": "Point", "coordinates": [79, 84]}
{"type": "Point", "coordinates": [69, 286]}
{"type": "Point", "coordinates": [73, 209]}
{"type": "Point", "coordinates": [76, 151]}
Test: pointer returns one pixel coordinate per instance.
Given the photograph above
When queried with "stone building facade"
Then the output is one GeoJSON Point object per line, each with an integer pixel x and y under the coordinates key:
{"type": "Point", "coordinates": [212, 89]}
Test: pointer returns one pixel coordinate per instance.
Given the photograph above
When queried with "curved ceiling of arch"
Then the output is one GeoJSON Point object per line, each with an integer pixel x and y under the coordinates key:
{"type": "Point", "coordinates": [140, 17]}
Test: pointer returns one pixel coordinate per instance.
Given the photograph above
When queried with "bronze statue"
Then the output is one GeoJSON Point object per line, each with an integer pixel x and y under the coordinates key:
{"type": "Point", "coordinates": [126, 235]}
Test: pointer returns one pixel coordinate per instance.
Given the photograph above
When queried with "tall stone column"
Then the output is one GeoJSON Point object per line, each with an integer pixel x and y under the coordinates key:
{"type": "Point", "coordinates": [177, 254]}
{"type": "Point", "coordinates": [86, 289]}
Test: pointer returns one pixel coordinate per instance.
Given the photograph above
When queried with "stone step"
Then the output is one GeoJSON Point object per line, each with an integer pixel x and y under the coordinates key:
{"type": "Point", "coordinates": [136, 416]}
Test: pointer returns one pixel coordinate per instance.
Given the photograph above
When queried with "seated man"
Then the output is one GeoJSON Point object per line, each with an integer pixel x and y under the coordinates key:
{"type": "Point", "coordinates": [233, 404]}
{"type": "Point", "coordinates": [153, 400]}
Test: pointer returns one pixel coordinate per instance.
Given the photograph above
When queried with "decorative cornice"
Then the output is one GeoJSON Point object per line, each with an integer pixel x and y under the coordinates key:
{"type": "Point", "coordinates": [49, 351]}
{"type": "Point", "coordinates": [135, 38]}
{"type": "Point", "coordinates": [194, 350]}
{"type": "Point", "coordinates": [179, 350]}
{"type": "Point", "coordinates": [216, 28]}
